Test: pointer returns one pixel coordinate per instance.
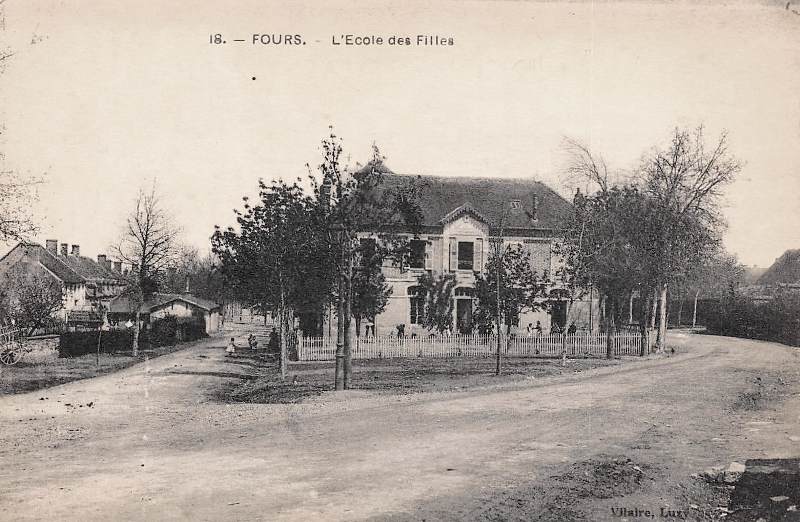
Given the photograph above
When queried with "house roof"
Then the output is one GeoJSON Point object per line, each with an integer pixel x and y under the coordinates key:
{"type": "Point", "coordinates": [490, 198]}
{"type": "Point", "coordinates": [122, 305]}
{"type": "Point", "coordinates": [70, 269]}
{"type": "Point", "coordinates": [88, 268]}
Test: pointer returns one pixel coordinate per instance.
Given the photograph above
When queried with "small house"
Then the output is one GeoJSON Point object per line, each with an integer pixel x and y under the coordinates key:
{"type": "Point", "coordinates": [185, 308]}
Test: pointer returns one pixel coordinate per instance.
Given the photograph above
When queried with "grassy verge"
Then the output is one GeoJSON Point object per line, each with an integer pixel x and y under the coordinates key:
{"type": "Point", "coordinates": [33, 373]}
{"type": "Point", "coordinates": [398, 376]}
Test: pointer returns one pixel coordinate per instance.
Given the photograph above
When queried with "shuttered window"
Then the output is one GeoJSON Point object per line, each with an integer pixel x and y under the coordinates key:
{"type": "Point", "coordinates": [466, 255]}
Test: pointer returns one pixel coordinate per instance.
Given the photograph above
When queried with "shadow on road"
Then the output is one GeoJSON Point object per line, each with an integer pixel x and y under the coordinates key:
{"type": "Point", "coordinates": [224, 375]}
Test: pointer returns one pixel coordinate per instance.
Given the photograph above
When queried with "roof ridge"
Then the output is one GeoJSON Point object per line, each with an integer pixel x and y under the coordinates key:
{"type": "Point", "coordinates": [482, 178]}
{"type": "Point", "coordinates": [59, 261]}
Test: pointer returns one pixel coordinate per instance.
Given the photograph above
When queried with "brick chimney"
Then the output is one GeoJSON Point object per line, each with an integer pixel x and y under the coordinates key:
{"type": "Point", "coordinates": [76, 250]}
{"type": "Point", "coordinates": [534, 206]}
{"type": "Point", "coordinates": [52, 246]}
{"type": "Point", "coordinates": [101, 260]}
{"type": "Point", "coordinates": [118, 266]}
{"type": "Point", "coordinates": [64, 248]}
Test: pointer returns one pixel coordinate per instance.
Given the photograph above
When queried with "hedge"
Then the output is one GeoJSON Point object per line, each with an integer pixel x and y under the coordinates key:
{"type": "Point", "coordinates": [165, 331]}
{"type": "Point", "coordinates": [74, 344]}
{"type": "Point", "coordinates": [775, 320]}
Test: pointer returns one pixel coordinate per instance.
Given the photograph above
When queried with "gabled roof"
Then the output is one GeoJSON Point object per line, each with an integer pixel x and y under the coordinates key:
{"type": "Point", "coordinates": [466, 208]}
{"type": "Point", "coordinates": [88, 268]}
{"type": "Point", "coordinates": [122, 305]}
{"type": "Point", "coordinates": [58, 268]}
{"type": "Point", "coordinates": [491, 198]}
{"type": "Point", "coordinates": [70, 269]}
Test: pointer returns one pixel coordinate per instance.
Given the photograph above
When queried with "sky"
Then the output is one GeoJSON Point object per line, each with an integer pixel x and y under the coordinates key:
{"type": "Point", "coordinates": [103, 98]}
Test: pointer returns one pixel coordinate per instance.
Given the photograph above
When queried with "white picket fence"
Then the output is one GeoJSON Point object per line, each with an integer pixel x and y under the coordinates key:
{"type": "Point", "coordinates": [324, 348]}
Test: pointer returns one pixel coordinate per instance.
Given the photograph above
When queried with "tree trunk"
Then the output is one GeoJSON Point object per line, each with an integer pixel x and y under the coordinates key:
{"type": "Point", "coordinates": [282, 318]}
{"type": "Point", "coordinates": [630, 309]}
{"type": "Point", "coordinates": [348, 351]}
{"type": "Point", "coordinates": [661, 336]}
{"type": "Point", "coordinates": [694, 309]}
{"type": "Point", "coordinates": [340, 326]}
{"type": "Point", "coordinates": [644, 331]}
{"type": "Point", "coordinates": [99, 339]}
{"type": "Point", "coordinates": [135, 348]}
{"type": "Point", "coordinates": [653, 312]}
{"type": "Point", "coordinates": [601, 311]}
{"type": "Point", "coordinates": [609, 320]}
{"type": "Point", "coordinates": [339, 375]}
{"type": "Point", "coordinates": [680, 312]}
{"type": "Point", "coordinates": [497, 318]}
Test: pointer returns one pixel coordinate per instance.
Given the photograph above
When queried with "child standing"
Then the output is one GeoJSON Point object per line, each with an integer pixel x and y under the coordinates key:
{"type": "Point", "coordinates": [231, 348]}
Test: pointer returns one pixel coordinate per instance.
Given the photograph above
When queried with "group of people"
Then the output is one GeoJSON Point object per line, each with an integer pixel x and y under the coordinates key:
{"type": "Point", "coordinates": [537, 330]}
{"type": "Point", "coordinates": [252, 343]}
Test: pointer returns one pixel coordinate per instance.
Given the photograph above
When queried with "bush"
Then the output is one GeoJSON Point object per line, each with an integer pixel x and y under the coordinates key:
{"type": "Point", "coordinates": [193, 330]}
{"type": "Point", "coordinates": [164, 331]}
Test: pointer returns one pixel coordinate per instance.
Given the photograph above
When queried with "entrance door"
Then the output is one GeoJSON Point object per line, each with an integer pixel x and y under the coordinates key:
{"type": "Point", "coordinates": [464, 315]}
{"type": "Point", "coordinates": [558, 316]}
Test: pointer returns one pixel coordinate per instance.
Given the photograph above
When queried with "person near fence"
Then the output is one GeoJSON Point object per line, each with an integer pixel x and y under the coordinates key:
{"type": "Point", "coordinates": [231, 349]}
{"type": "Point", "coordinates": [538, 328]}
{"type": "Point", "coordinates": [572, 329]}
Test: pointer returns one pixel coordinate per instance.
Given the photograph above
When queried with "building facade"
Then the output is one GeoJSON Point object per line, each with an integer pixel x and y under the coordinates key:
{"type": "Point", "coordinates": [462, 218]}
{"type": "Point", "coordinates": [86, 284]}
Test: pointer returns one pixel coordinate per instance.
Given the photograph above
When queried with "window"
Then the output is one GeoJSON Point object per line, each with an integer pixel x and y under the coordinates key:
{"type": "Point", "coordinates": [515, 204]}
{"type": "Point", "coordinates": [416, 304]}
{"type": "Point", "coordinates": [466, 253]}
{"type": "Point", "coordinates": [417, 248]}
{"type": "Point", "coordinates": [465, 291]}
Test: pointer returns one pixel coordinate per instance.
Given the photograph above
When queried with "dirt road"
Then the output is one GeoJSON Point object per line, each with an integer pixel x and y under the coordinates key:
{"type": "Point", "coordinates": [147, 443]}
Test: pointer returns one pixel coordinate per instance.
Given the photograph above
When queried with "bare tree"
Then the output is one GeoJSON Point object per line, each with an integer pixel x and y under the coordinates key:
{"type": "Point", "coordinates": [583, 165]}
{"type": "Point", "coordinates": [149, 243]}
{"type": "Point", "coordinates": [17, 193]}
{"type": "Point", "coordinates": [684, 182]}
